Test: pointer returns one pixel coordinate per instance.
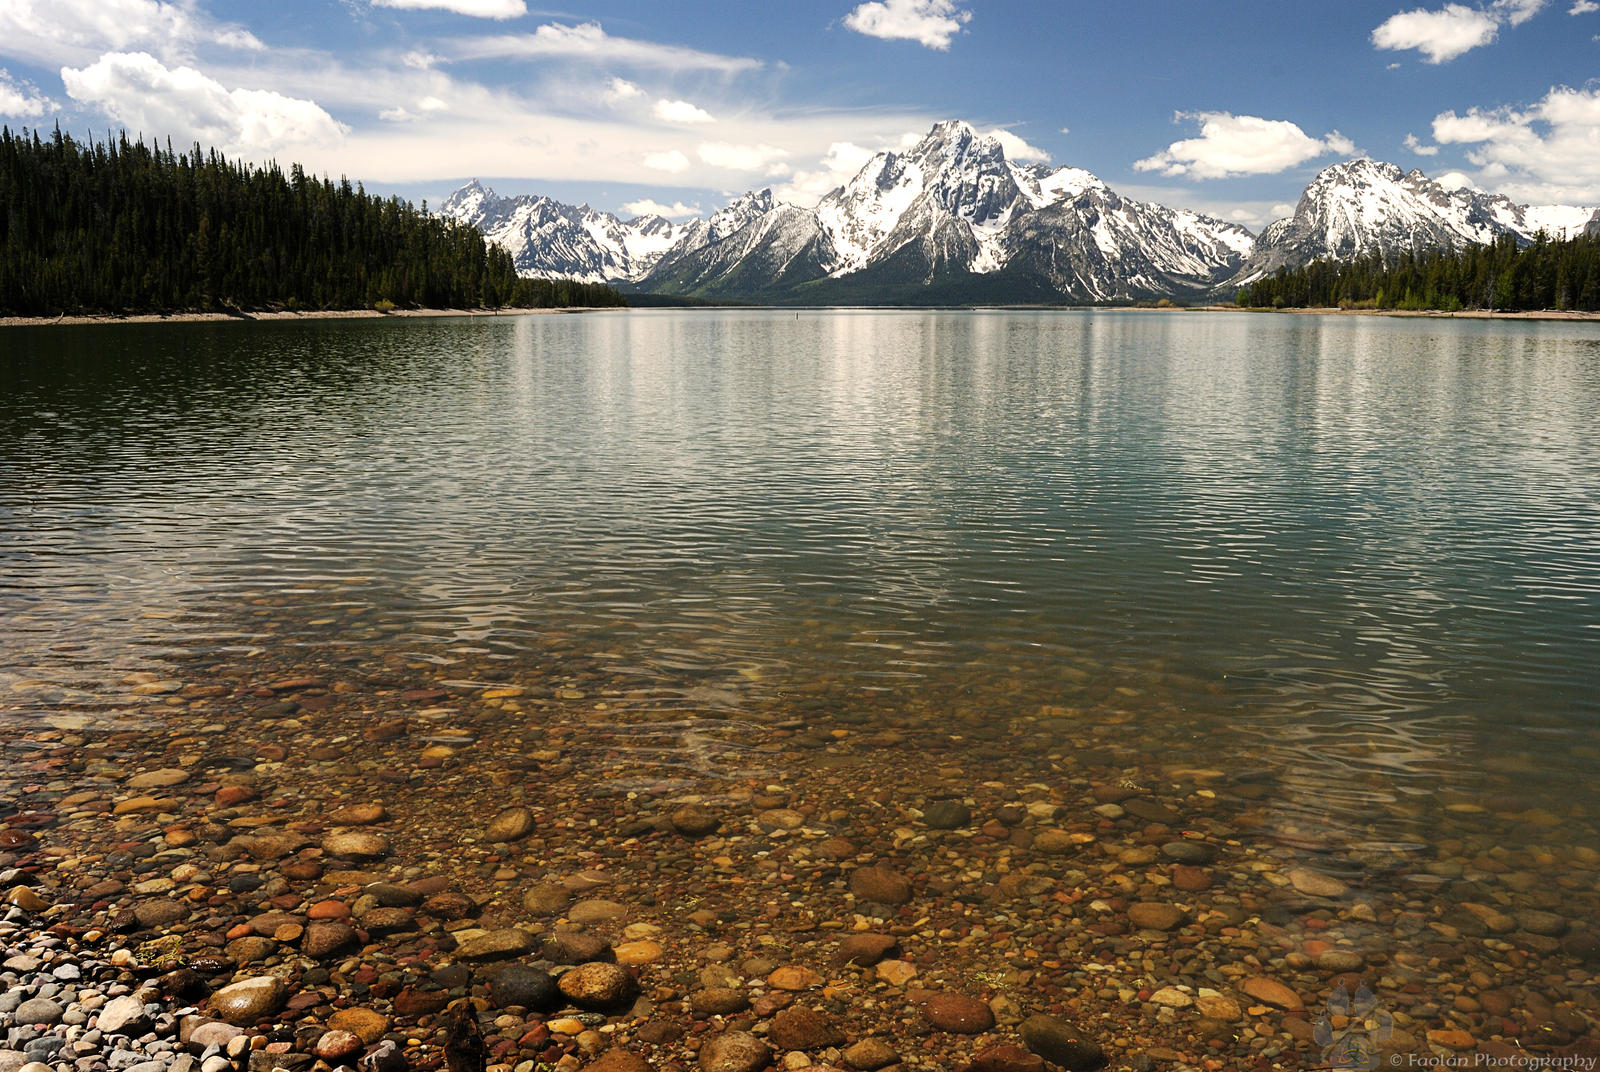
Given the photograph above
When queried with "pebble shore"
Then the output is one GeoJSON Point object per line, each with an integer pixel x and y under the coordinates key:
{"type": "Point", "coordinates": [348, 867]}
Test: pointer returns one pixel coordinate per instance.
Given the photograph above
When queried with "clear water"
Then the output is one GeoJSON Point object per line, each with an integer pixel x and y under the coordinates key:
{"type": "Point", "coordinates": [1360, 556]}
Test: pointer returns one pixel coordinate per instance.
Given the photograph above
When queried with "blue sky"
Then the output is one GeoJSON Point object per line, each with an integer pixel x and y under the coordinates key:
{"type": "Point", "coordinates": [1230, 108]}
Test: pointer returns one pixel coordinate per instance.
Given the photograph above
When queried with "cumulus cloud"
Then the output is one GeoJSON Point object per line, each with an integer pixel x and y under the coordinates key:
{"type": "Point", "coordinates": [1547, 152]}
{"type": "Point", "coordinates": [620, 90]}
{"type": "Point", "coordinates": [931, 23]}
{"type": "Point", "coordinates": [140, 92]}
{"type": "Point", "coordinates": [1455, 29]}
{"type": "Point", "coordinates": [1420, 148]}
{"type": "Point", "coordinates": [51, 32]}
{"type": "Point", "coordinates": [675, 211]}
{"type": "Point", "coordinates": [671, 161]}
{"type": "Point", "coordinates": [1017, 150]}
{"type": "Point", "coordinates": [677, 111]}
{"type": "Point", "coordinates": [766, 159]}
{"type": "Point", "coordinates": [481, 9]}
{"type": "Point", "coordinates": [1231, 145]}
{"type": "Point", "coordinates": [22, 100]}
{"type": "Point", "coordinates": [837, 167]}
{"type": "Point", "coordinates": [1517, 12]}
{"type": "Point", "coordinates": [1441, 35]}
{"type": "Point", "coordinates": [1584, 7]}
{"type": "Point", "coordinates": [587, 41]}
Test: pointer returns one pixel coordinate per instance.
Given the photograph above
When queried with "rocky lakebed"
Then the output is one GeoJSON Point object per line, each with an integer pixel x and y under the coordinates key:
{"type": "Point", "coordinates": [401, 867]}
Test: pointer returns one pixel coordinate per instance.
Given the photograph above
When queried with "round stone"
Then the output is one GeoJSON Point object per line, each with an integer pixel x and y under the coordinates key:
{"type": "Point", "coordinates": [1060, 842]}
{"type": "Point", "coordinates": [336, 1047]}
{"type": "Point", "coordinates": [1271, 992]}
{"type": "Point", "coordinates": [947, 814]}
{"type": "Point", "coordinates": [800, 1028]}
{"type": "Point", "coordinates": [546, 899]}
{"type": "Point", "coordinates": [122, 1016]}
{"type": "Point", "coordinates": [245, 1002]}
{"type": "Point", "coordinates": [365, 1024]}
{"type": "Point", "coordinates": [1155, 916]}
{"type": "Point", "coordinates": [496, 945]}
{"type": "Point", "coordinates": [509, 825]}
{"type": "Point", "coordinates": [870, 1054]}
{"type": "Point", "coordinates": [719, 1001]}
{"type": "Point", "coordinates": [596, 911]}
{"type": "Point", "coordinates": [958, 1014]}
{"type": "Point", "coordinates": [155, 914]}
{"type": "Point", "coordinates": [1060, 1041]}
{"type": "Point", "coordinates": [325, 939]}
{"type": "Point", "coordinates": [734, 1051]}
{"type": "Point", "coordinates": [793, 977]}
{"type": "Point", "coordinates": [1197, 853]}
{"type": "Point", "coordinates": [37, 1011]}
{"type": "Point", "coordinates": [1172, 998]}
{"type": "Point", "coordinates": [694, 820]}
{"type": "Point", "coordinates": [526, 986]}
{"type": "Point", "coordinates": [643, 951]}
{"type": "Point", "coordinates": [1340, 960]}
{"type": "Point", "coordinates": [881, 885]}
{"type": "Point", "coordinates": [866, 949]}
{"type": "Point", "coordinates": [356, 845]}
{"type": "Point", "coordinates": [159, 779]}
{"type": "Point", "coordinates": [598, 986]}
{"type": "Point", "coordinates": [1316, 884]}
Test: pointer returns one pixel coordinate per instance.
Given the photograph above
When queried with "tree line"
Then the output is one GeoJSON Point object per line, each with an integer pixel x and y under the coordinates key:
{"type": "Point", "coordinates": [122, 226]}
{"type": "Point", "coordinates": [1502, 276]}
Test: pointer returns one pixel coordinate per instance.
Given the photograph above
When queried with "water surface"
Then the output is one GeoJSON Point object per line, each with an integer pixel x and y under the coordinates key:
{"type": "Point", "coordinates": [1359, 556]}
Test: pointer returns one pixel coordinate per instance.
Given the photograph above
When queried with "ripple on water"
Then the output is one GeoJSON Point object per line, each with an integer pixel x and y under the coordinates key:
{"type": "Point", "coordinates": [1361, 555]}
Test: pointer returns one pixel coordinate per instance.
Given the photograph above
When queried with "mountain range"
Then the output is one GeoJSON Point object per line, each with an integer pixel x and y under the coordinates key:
{"type": "Point", "coordinates": [952, 220]}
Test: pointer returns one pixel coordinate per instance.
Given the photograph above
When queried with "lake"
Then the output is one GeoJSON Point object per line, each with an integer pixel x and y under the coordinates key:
{"type": "Point", "coordinates": [1335, 577]}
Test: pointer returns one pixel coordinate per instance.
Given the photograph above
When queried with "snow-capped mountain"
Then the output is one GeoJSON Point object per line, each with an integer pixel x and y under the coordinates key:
{"type": "Point", "coordinates": [1363, 206]}
{"type": "Point", "coordinates": [551, 240]}
{"type": "Point", "coordinates": [951, 219]}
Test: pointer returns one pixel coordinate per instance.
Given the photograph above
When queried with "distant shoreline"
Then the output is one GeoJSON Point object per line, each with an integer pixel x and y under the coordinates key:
{"type": "Point", "coordinates": [403, 314]}
{"type": "Point", "coordinates": [312, 314]}
{"type": "Point", "coordinates": [1434, 314]}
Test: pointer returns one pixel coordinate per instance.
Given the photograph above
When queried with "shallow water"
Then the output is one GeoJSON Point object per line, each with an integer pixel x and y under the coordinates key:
{"type": "Point", "coordinates": [1355, 559]}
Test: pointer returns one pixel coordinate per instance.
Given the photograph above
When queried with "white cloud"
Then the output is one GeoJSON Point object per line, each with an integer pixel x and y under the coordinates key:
{"type": "Point", "coordinates": [1418, 147]}
{"type": "Point", "coordinates": [1017, 150]}
{"type": "Point", "coordinates": [482, 9]}
{"type": "Point", "coordinates": [1454, 180]}
{"type": "Point", "coordinates": [1439, 35]}
{"type": "Point", "coordinates": [1252, 214]}
{"type": "Point", "coordinates": [588, 42]}
{"type": "Point", "coordinates": [1231, 145]}
{"type": "Point", "coordinates": [672, 162]}
{"type": "Point", "coordinates": [675, 211]}
{"type": "Point", "coordinates": [22, 100]}
{"type": "Point", "coordinates": [1517, 12]}
{"type": "Point", "coordinates": [837, 167]}
{"type": "Point", "coordinates": [1066, 130]}
{"type": "Point", "coordinates": [1546, 153]}
{"type": "Point", "coordinates": [1584, 7]}
{"type": "Point", "coordinates": [620, 90]}
{"type": "Point", "coordinates": [766, 159]}
{"type": "Point", "coordinates": [1455, 29]}
{"type": "Point", "coordinates": [54, 32]}
{"type": "Point", "coordinates": [146, 96]}
{"type": "Point", "coordinates": [928, 22]}
{"type": "Point", "coordinates": [677, 111]}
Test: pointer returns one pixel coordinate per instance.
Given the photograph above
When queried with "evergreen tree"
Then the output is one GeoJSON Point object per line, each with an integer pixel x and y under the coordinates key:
{"type": "Point", "coordinates": [123, 227]}
{"type": "Point", "coordinates": [1501, 276]}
